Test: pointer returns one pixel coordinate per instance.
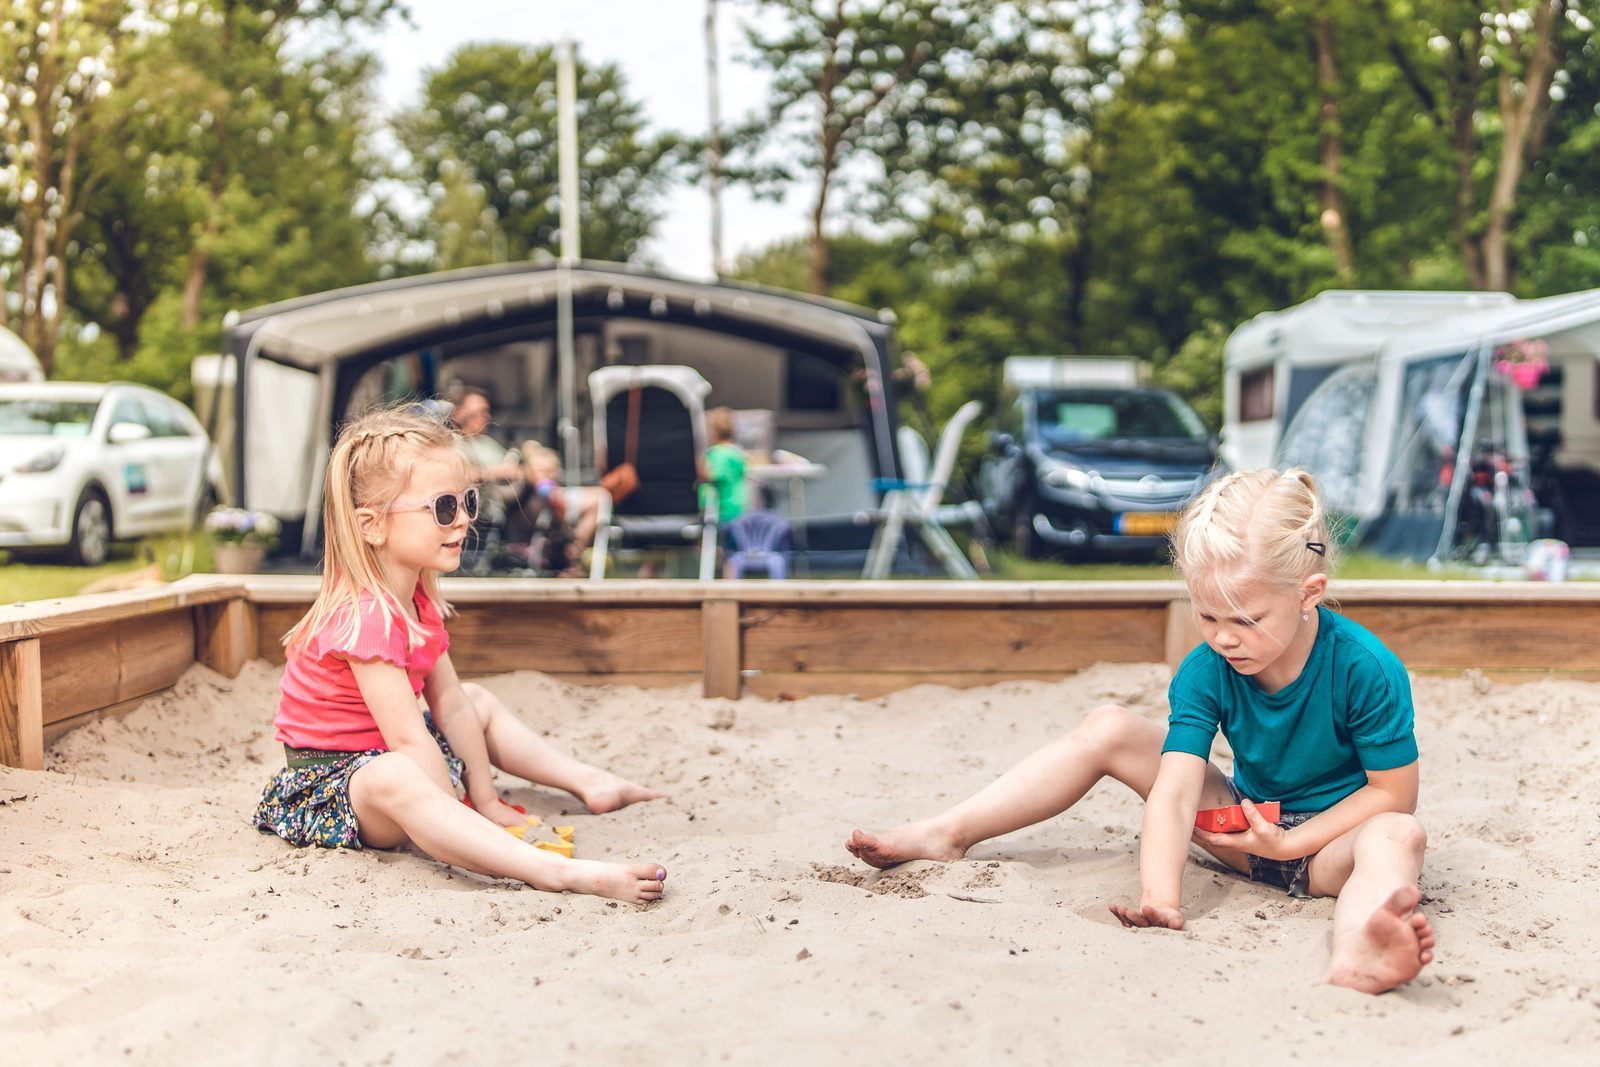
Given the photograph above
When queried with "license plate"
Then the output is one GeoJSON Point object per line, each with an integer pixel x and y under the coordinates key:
{"type": "Point", "coordinates": [1137, 523]}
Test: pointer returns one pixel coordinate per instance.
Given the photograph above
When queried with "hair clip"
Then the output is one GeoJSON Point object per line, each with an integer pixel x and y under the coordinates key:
{"type": "Point", "coordinates": [1318, 547]}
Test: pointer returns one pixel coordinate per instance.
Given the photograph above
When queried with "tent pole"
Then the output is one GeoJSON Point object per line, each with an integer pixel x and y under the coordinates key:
{"type": "Point", "coordinates": [567, 146]}
{"type": "Point", "coordinates": [1463, 471]}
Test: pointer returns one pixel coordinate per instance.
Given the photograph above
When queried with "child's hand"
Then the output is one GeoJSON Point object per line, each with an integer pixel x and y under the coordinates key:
{"type": "Point", "coordinates": [1157, 915]}
{"type": "Point", "coordinates": [500, 813]}
{"type": "Point", "coordinates": [1265, 839]}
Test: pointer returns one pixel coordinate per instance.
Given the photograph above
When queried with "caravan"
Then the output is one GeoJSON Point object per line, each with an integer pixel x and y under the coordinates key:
{"type": "Point", "coordinates": [1460, 432]}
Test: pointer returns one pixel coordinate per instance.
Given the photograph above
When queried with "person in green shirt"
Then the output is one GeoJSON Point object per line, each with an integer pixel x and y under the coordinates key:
{"type": "Point", "coordinates": [1318, 714]}
{"type": "Point", "coordinates": [723, 468]}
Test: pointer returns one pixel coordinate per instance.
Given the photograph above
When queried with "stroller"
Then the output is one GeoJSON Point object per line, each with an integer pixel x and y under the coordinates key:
{"type": "Point", "coordinates": [653, 417]}
{"type": "Point", "coordinates": [537, 538]}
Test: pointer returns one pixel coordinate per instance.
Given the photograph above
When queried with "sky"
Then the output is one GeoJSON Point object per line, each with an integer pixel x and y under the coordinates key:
{"type": "Point", "coordinates": [660, 47]}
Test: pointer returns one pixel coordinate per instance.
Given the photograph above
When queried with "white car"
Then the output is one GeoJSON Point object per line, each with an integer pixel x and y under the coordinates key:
{"type": "Point", "coordinates": [86, 463]}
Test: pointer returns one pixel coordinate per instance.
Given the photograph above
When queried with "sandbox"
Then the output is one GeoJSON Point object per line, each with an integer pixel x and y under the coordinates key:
{"type": "Point", "coordinates": [145, 920]}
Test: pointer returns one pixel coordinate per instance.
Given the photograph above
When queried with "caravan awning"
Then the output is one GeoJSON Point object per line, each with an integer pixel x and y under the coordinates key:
{"type": "Point", "coordinates": [1571, 317]}
{"type": "Point", "coordinates": [314, 331]}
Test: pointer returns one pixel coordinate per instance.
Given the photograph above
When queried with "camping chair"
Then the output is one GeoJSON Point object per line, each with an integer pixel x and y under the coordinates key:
{"type": "Point", "coordinates": [917, 502]}
{"type": "Point", "coordinates": [759, 540]}
{"type": "Point", "coordinates": [654, 417]}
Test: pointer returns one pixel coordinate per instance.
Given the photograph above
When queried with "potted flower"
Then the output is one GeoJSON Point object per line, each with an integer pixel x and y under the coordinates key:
{"type": "Point", "coordinates": [1524, 362]}
{"type": "Point", "coordinates": [241, 538]}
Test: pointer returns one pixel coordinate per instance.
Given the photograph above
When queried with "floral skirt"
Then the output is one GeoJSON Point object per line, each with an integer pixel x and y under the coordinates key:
{"type": "Point", "coordinates": [308, 803]}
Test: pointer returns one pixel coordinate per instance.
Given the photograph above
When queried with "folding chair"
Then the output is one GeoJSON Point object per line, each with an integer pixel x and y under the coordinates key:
{"type": "Point", "coordinates": [915, 501]}
{"type": "Point", "coordinates": [656, 415]}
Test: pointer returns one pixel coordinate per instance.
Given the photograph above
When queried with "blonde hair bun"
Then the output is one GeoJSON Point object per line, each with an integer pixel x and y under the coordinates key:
{"type": "Point", "coordinates": [1259, 525]}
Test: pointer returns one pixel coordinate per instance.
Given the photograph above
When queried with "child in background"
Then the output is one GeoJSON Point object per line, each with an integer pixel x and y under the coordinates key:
{"type": "Point", "coordinates": [367, 766]}
{"type": "Point", "coordinates": [1317, 711]}
{"type": "Point", "coordinates": [577, 509]}
{"type": "Point", "coordinates": [722, 468]}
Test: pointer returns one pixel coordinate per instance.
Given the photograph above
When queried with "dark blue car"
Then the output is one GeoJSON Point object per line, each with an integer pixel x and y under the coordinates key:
{"type": "Point", "coordinates": [1094, 469]}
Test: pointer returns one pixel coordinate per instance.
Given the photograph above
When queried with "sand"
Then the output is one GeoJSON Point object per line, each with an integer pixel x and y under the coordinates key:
{"type": "Point", "coordinates": [145, 921]}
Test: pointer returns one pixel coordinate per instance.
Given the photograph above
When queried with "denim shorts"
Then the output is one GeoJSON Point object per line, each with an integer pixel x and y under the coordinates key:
{"type": "Point", "coordinates": [1292, 876]}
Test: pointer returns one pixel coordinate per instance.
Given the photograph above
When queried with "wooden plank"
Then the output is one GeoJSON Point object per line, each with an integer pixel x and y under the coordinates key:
{"type": "Point", "coordinates": [1017, 639]}
{"type": "Point", "coordinates": [654, 680]}
{"type": "Point", "coordinates": [273, 620]}
{"type": "Point", "coordinates": [791, 685]}
{"type": "Point", "coordinates": [39, 618]}
{"type": "Point", "coordinates": [225, 635]}
{"type": "Point", "coordinates": [1489, 636]}
{"type": "Point", "coordinates": [21, 705]}
{"type": "Point", "coordinates": [264, 589]}
{"type": "Point", "coordinates": [576, 638]}
{"type": "Point", "coordinates": [1183, 632]}
{"type": "Point", "coordinates": [107, 664]}
{"type": "Point", "coordinates": [719, 638]}
{"type": "Point", "coordinates": [553, 638]}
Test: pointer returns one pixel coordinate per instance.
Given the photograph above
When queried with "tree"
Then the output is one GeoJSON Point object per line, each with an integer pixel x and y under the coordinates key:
{"type": "Point", "coordinates": [60, 70]}
{"type": "Point", "coordinates": [1486, 81]}
{"type": "Point", "coordinates": [855, 73]}
{"type": "Point", "coordinates": [204, 202]}
{"type": "Point", "coordinates": [485, 153]}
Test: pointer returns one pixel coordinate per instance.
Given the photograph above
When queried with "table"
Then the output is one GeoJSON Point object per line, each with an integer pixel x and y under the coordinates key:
{"type": "Point", "coordinates": [792, 477]}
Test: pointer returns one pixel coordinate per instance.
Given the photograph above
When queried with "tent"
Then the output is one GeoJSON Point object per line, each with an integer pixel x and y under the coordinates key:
{"type": "Point", "coordinates": [820, 366]}
{"type": "Point", "coordinates": [1430, 426]}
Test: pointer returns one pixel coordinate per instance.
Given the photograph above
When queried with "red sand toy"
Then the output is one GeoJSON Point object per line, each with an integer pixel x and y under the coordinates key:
{"type": "Point", "coordinates": [1231, 820]}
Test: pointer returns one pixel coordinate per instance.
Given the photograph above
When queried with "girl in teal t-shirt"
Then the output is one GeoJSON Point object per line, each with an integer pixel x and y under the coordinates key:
{"type": "Point", "coordinates": [1318, 714]}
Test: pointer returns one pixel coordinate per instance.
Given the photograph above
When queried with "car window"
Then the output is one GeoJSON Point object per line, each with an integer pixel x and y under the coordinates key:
{"type": "Point", "coordinates": [1071, 416]}
{"type": "Point", "coordinates": [165, 419]}
{"type": "Point", "coordinates": [37, 416]}
{"type": "Point", "coordinates": [128, 409]}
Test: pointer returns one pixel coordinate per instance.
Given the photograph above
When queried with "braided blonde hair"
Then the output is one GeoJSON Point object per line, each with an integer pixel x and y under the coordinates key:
{"type": "Point", "coordinates": [1253, 526]}
{"type": "Point", "coordinates": [369, 467]}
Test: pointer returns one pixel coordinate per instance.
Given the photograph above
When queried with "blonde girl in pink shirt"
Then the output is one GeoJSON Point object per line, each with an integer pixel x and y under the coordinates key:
{"type": "Point", "coordinates": [366, 765]}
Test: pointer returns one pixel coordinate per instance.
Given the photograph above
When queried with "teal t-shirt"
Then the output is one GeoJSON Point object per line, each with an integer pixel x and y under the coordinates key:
{"type": "Point", "coordinates": [1310, 744]}
{"type": "Point", "coordinates": [725, 465]}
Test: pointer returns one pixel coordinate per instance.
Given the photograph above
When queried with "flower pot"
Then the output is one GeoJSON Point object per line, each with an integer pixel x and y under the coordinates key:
{"type": "Point", "coordinates": [235, 558]}
{"type": "Point", "coordinates": [1523, 375]}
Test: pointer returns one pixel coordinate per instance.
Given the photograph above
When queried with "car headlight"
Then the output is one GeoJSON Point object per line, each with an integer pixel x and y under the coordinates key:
{"type": "Point", "coordinates": [1061, 476]}
{"type": "Point", "coordinates": [44, 461]}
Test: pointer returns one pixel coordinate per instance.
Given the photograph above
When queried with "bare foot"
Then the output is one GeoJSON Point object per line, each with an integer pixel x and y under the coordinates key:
{"type": "Point", "coordinates": [608, 793]}
{"type": "Point", "coordinates": [913, 841]}
{"type": "Point", "coordinates": [1389, 950]}
{"type": "Point", "coordinates": [633, 883]}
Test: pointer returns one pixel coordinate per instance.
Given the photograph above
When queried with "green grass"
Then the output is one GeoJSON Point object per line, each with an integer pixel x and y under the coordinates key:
{"type": "Point", "coordinates": [24, 581]}
{"type": "Point", "coordinates": [1355, 565]}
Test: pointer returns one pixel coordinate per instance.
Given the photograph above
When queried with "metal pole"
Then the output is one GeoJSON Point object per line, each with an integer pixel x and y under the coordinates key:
{"type": "Point", "coordinates": [714, 145]}
{"type": "Point", "coordinates": [1463, 469]}
{"type": "Point", "coordinates": [567, 148]}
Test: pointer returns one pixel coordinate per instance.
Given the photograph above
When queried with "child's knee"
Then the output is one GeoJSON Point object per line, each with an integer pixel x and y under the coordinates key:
{"type": "Point", "coordinates": [483, 701]}
{"type": "Point", "coordinates": [1398, 829]}
{"type": "Point", "coordinates": [390, 780]}
{"type": "Point", "coordinates": [1107, 725]}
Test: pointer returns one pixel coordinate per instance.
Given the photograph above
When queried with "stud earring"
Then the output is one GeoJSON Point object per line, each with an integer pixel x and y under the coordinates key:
{"type": "Point", "coordinates": [1304, 616]}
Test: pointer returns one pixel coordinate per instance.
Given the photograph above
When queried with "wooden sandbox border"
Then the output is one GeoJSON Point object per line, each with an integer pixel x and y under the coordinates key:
{"type": "Point", "coordinates": [66, 662]}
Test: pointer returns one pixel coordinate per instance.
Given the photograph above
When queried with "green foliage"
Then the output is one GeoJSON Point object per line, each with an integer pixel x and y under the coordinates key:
{"type": "Point", "coordinates": [484, 145]}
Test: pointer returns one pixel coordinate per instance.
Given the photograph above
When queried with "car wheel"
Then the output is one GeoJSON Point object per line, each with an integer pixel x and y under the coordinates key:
{"type": "Point", "coordinates": [91, 530]}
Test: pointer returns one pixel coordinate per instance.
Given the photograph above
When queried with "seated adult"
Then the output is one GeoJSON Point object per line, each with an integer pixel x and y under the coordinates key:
{"type": "Point", "coordinates": [560, 520]}
{"type": "Point", "coordinates": [489, 463]}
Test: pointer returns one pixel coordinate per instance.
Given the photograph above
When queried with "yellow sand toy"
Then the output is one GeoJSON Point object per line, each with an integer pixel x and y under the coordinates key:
{"type": "Point", "coordinates": [563, 848]}
{"type": "Point", "coordinates": [564, 832]}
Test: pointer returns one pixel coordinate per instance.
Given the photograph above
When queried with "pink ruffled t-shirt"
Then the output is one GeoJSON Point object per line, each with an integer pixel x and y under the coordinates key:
{"type": "Point", "coordinates": [320, 705]}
